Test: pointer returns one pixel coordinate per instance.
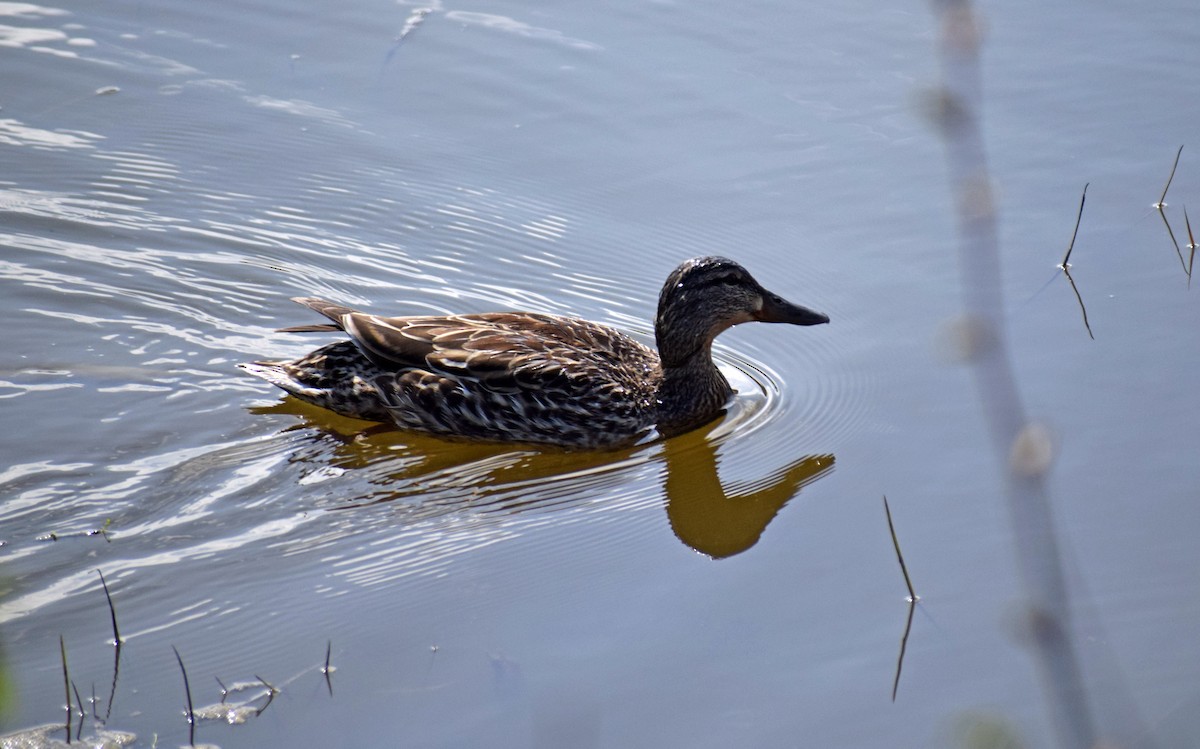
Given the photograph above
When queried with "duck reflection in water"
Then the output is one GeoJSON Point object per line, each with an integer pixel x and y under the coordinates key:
{"type": "Point", "coordinates": [430, 477]}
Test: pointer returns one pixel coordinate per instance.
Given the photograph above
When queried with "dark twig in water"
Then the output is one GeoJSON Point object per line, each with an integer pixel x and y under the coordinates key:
{"type": "Point", "coordinates": [224, 689]}
{"type": "Point", "coordinates": [326, 670]}
{"type": "Point", "coordinates": [1191, 246]}
{"type": "Point", "coordinates": [79, 702]}
{"type": "Point", "coordinates": [912, 594]}
{"type": "Point", "coordinates": [1163, 198]}
{"type": "Point", "coordinates": [62, 647]}
{"type": "Point", "coordinates": [187, 691]}
{"type": "Point", "coordinates": [1075, 233]}
{"type": "Point", "coordinates": [270, 695]}
{"type": "Point", "coordinates": [112, 611]}
{"type": "Point", "coordinates": [912, 606]}
{"type": "Point", "coordinates": [912, 598]}
{"type": "Point", "coordinates": [1079, 298]}
{"type": "Point", "coordinates": [1174, 241]}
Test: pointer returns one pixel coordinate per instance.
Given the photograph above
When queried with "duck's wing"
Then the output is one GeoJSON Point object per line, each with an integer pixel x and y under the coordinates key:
{"type": "Point", "coordinates": [501, 351]}
{"type": "Point", "coordinates": [524, 351]}
{"type": "Point", "coordinates": [504, 352]}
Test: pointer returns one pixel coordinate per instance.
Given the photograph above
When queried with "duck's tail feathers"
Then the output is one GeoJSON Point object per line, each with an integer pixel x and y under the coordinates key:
{"type": "Point", "coordinates": [318, 328]}
{"type": "Point", "coordinates": [334, 312]}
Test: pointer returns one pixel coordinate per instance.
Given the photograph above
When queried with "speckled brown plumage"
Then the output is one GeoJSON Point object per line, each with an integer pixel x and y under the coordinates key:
{"type": "Point", "coordinates": [530, 377]}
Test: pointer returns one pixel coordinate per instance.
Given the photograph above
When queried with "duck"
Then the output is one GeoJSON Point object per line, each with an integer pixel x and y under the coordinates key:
{"type": "Point", "coordinates": [530, 377]}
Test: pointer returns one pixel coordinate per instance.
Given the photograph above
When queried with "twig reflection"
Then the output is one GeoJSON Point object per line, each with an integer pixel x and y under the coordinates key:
{"type": "Point", "coordinates": [1079, 298]}
{"type": "Point", "coordinates": [912, 606]}
{"type": "Point", "coordinates": [1191, 245]}
{"type": "Point", "coordinates": [1174, 242]}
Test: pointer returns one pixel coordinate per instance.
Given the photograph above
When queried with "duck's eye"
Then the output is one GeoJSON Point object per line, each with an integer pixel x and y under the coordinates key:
{"type": "Point", "coordinates": [729, 281]}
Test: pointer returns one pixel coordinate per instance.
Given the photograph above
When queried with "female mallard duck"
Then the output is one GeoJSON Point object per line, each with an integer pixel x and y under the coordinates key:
{"type": "Point", "coordinates": [530, 377]}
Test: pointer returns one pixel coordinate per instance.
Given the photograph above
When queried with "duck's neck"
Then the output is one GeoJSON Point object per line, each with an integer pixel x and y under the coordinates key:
{"type": "Point", "coordinates": [691, 393]}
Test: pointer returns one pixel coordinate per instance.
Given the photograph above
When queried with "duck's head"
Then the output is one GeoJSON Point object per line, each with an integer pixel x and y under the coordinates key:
{"type": "Point", "coordinates": [707, 295]}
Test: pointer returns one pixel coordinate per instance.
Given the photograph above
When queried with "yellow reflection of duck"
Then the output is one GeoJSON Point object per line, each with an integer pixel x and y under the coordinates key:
{"type": "Point", "coordinates": [436, 477]}
{"type": "Point", "coordinates": [713, 522]}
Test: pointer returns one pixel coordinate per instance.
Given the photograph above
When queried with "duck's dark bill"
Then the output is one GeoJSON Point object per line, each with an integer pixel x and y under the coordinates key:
{"type": "Point", "coordinates": [777, 309]}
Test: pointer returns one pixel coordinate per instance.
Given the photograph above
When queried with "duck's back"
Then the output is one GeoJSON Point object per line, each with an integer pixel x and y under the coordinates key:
{"type": "Point", "coordinates": [525, 377]}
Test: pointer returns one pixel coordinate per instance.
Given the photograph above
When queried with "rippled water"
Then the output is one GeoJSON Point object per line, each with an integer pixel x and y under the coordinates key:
{"type": "Point", "coordinates": [173, 174]}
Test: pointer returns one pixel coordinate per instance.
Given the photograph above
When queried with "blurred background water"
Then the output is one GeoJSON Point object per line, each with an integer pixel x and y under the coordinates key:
{"type": "Point", "coordinates": [172, 173]}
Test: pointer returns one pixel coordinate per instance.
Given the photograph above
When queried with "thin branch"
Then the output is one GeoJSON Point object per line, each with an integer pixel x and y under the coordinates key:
{"type": "Point", "coordinates": [326, 670]}
{"type": "Point", "coordinates": [1162, 198]}
{"type": "Point", "coordinates": [1075, 233]}
{"type": "Point", "coordinates": [187, 690]}
{"type": "Point", "coordinates": [79, 702]}
{"type": "Point", "coordinates": [62, 647]}
{"type": "Point", "coordinates": [112, 610]}
{"type": "Point", "coordinates": [270, 695]}
{"type": "Point", "coordinates": [912, 594]}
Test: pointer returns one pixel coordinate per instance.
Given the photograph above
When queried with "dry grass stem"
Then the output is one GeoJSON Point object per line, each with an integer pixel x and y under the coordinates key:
{"type": "Point", "coordinates": [62, 647]}
{"type": "Point", "coordinates": [187, 691]}
{"type": "Point", "coordinates": [912, 595]}
{"type": "Point", "coordinates": [1162, 200]}
{"type": "Point", "coordinates": [1075, 233]}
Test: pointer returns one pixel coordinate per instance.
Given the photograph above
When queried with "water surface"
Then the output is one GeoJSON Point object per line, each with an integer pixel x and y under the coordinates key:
{"type": "Point", "coordinates": [173, 174]}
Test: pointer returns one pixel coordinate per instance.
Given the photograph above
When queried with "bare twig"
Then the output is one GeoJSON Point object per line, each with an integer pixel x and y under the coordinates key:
{"type": "Point", "coordinates": [112, 610]}
{"type": "Point", "coordinates": [187, 690]}
{"type": "Point", "coordinates": [912, 597]}
{"type": "Point", "coordinates": [224, 689]}
{"type": "Point", "coordinates": [1163, 198]}
{"type": "Point", "coordinates": [1075, 233]}
{"type": "Point", "coordinates": [912, 594]}
{"type": "Point", "coordinates": [62, 647]}
{"type": "Point", "coordinates": [270, 695]}
{"type": "Point", "coordinates": [326, 670]}
{"type": "Point", "coordinates": [79, 702]}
